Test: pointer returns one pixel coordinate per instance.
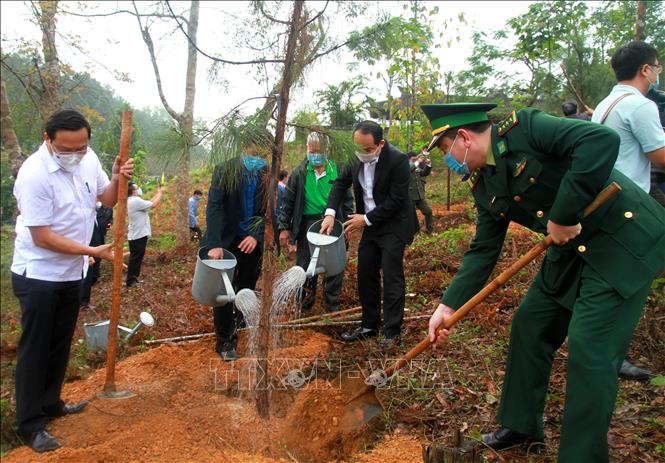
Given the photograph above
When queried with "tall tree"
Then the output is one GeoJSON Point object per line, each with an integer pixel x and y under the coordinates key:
{"type": "Point", "coordinates": [9, 140]}
{"type": "Point", "coordinates": [184, 119]}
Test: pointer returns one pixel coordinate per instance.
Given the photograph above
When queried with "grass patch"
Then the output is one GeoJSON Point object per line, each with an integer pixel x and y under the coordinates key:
{"type": "Point", "coordinates": [163, 242]}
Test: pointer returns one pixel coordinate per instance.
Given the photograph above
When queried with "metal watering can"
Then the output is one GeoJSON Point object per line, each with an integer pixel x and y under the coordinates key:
{"type": "Point", "coordinates": [97, 334]}
{"type": "Point", "coordinates": [212, 279]}
{"type": "Point", "coordinates": [328, 251]}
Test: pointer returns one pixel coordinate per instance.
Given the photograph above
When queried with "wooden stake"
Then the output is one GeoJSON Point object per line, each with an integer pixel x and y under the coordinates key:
{"type": "Point", "coordinates": [119, 240]}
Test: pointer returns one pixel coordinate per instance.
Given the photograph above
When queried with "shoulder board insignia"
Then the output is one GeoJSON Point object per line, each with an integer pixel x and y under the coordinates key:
{"type": "Point", "coordinates": [473, 180]}
{"type": "Point", "coordinates": [507, 124]}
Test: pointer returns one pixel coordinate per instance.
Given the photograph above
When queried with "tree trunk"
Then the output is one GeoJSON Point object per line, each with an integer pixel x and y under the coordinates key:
{"type": "Point", "coordinates": [640, 22]}
{"type": "Point", "coordinates": [9, 139]}
{"type": "Point", "coordinates": [187, 125]}
{"type": "Point", "coordinates": [50, 100]}
{"type": "Point", "coordinates": [269, 251]}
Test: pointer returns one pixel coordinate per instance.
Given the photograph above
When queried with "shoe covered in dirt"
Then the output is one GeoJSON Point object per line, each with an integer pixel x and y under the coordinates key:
{"type": "Point", "coordinates": [69, 409]}
{"type": "Point", "coordinates": [228, 355]}
{"type": "Point", "coordinates": [41, 441]}
{"type": "Point", "coordinates": [632, 372]}
{"type": "Point", "coordinates": [504, 438]}
{"type": "Point", "coordinates": [359, 333]}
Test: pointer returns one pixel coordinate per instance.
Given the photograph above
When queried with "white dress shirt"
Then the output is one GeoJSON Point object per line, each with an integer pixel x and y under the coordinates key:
{"type": "Point", "coordinates": [366, 180]}
{"type": "Point", "coordinates": [46, 195]}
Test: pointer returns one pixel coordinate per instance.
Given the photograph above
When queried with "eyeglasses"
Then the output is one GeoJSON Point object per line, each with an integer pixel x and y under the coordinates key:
{"type": "Point", "coordinates": [657, 68]}
{"type": "Point", "coordinates": [79, 152]}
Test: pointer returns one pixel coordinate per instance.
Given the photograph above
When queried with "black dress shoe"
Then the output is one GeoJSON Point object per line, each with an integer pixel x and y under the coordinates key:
{"type": "Point", "coordinates": [388, 343]}
{"type": "Point", "coordinates": [630, 371]}
{"type": "Point", "coordinates": [42, 441]}
{"type": "Point", "coordinates": [229, 355]}
{"type": "Point", "coordinates": [70, 409]}
{"type": "Point", "coordinates": [358, 334]}
{"type": "Point", "coordinates": [504, 438]}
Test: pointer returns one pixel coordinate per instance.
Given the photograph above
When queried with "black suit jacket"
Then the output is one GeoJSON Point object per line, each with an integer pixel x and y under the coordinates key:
{"type": "Point", "coordinates": [225, 208]}
{"type": "Point", "coordinates": [394, 210]}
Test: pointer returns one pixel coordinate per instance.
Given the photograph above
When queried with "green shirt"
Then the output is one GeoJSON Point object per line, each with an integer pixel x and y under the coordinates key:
{"type": "Point", "coordinates": [317, 190]}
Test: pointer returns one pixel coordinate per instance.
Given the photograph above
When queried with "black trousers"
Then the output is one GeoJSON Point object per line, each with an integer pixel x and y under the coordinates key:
{"type": "Point", "coordinates": [332, 285]}
{"type": "Point", "coordinates": [378, 252]}
{"type": "Point", "coordinates": [225, 317]}
{"type": "Point", "coordinates": [48, 318]}
{"type": "Point", "coordinates": [136, 253]}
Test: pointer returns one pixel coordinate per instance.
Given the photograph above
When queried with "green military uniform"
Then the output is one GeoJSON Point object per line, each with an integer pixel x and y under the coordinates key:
{"type": "Point", "coordinates": [592, 289]}
{"type": "Point", "coordinates": [417, 193]}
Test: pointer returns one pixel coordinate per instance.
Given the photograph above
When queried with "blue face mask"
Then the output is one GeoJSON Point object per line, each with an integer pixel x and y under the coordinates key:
{"type": "Point", "coordinates": [460, 169]}
{"type": "Point", "coordinates": [316, 159]}
{"type": "Point", "coordinates": [654, 85]}
{"type": "Point", "coordinates": [253, 164]}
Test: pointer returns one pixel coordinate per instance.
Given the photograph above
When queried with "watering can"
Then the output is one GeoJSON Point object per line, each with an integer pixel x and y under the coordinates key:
{"type": "Point", "coordinates": [328, 251]}
{"type": "Point", "coordinates": [212, 279]}
{"type": "Point", "coordinates": [97, 334]}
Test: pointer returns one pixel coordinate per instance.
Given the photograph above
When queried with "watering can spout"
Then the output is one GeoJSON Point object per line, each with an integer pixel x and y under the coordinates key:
{"type": "Point", "coordinates": [230, 294]}
{"type": "Point", "coordinates": [312, 268]}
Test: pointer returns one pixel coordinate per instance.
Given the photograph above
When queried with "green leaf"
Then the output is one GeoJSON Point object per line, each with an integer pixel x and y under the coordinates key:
{"type": "Point", "coordinates": [658, 381]}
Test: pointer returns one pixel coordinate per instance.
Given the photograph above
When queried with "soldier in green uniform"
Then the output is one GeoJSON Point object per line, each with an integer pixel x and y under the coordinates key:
{"type": "Point", "coordinates": [541, 172]}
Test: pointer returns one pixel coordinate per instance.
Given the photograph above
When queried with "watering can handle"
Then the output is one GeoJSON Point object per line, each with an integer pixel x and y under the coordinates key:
{"type": "Point", "coordinates": [228, 289]}
{"type": "Point", "coordinates": [607, 193]}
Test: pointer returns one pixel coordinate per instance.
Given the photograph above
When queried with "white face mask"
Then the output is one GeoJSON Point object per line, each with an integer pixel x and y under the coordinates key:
{"type": "Point", "coordinates": [367, 157]}
{"type": "Point", "coordinates": [68, 162]}
{"type": "Point", "coordinates": [139, 191]}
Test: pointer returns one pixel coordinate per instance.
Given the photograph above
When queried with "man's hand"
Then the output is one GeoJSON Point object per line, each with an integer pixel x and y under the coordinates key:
{"type": "Point", "coordinates": [248, 244]}
{"type": "Point", "coordinates": [284, 238]}
{"type": "Point", "coordinates": [127, 168]}
{"type": "Point", "coordinates": [438, 334]}
{"type": "Point", "coordinates": [356, 222]}
{"type": "Point", "coordinates": [104, 251]}
{"type": "Point", "coordinates": [327, 225]}
{"type": "Point", "coordinates": [216, 253]}
{"type": "Point", "coordinates": [561, 234]}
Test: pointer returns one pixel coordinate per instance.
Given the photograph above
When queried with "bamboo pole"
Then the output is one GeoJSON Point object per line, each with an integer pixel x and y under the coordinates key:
{"type": "Point", "coordinates": [119, 240]}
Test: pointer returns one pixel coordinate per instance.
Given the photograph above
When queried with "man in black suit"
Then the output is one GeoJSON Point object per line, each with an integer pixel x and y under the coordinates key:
{"type": "Point", "coordinates": [387, 219]}
{"type": "Point", "coordinates": [235, 217]}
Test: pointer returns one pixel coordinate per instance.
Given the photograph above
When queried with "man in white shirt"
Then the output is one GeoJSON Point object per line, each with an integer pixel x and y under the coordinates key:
{"type": "Point", "coordinates": [139, 229]}
{"type": "Point", "coordinates": [56, 190]}
{"type": "Point", "coordinates": [635, 118]}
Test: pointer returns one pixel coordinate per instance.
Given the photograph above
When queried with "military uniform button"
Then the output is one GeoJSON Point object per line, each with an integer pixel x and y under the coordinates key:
{"type": "Point", "coordinates": [517, 198]}
{"type": "Point", "coordinates": [532, 180]}
{"type": "Point", "coordinates": [502, 214]}
{"type": "Point", "coordinates": [628, 215]}
{"type": "Point", "coordinates": [581, 248]}
{"type": "Point", "coordinates": [540, 214]}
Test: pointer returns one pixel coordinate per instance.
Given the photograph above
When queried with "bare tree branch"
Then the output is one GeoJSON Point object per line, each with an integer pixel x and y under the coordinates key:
{"type": "Point", "coordinates": [145, 33]}
{"type": "Point", "coordinates": [220, 60]}
{"type": "Point", "coordinates": [113, 13]}
{"type": "Point", "coordinates": [259, 6]}
{"type": "Point", "coordinates": [316, 16]}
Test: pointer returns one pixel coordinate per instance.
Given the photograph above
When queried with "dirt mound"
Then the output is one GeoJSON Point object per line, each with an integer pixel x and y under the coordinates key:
{"type": "Point", "coordinates": [186, 410]}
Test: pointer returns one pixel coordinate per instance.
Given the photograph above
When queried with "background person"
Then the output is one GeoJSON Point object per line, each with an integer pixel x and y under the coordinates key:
{"type": "Point", "coordinates": [138, 213]}
{"type": "Point", "coordinates": [193, 203]}
{"type": "Point", "coordinates": [56, 191]}
{"type": "Point", "coordinates": [635, 118]}
{"type": "Point", "coordinates": [420, 167]}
